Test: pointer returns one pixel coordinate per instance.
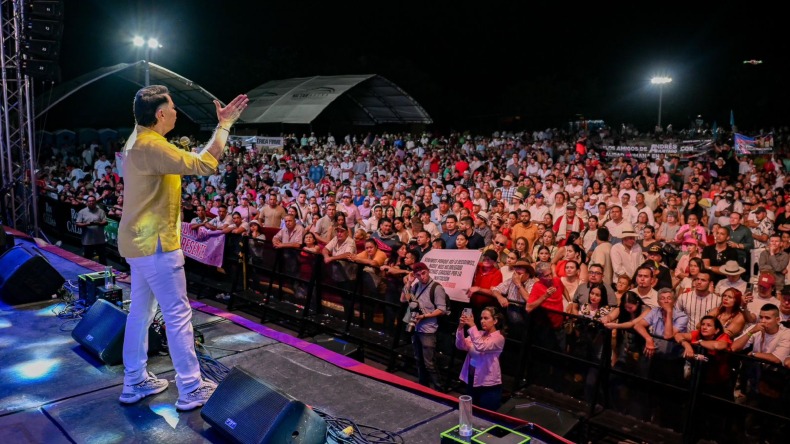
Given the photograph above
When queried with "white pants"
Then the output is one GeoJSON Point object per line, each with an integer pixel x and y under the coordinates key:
{"type": "Point", "coordinates": [160, 278]}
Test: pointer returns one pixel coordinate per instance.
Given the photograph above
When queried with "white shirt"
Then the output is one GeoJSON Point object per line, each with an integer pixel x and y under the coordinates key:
{"type": "Point", "coordinates": [651, 220]}
{"type": "Point", "coordinates": [625, 262]}
{"type": "Point", "coordinates": [537, 213]}
{"type": "Point", "coordinates": [777, 344]}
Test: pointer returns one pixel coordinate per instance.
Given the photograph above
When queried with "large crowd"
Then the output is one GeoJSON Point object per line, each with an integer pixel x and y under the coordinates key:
{"type": "Point", "coordinates": [694, 250]}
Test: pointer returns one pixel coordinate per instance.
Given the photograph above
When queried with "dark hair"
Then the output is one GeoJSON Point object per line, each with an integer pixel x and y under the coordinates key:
{"type": "Point", "coordinates": [716, 323]}
{"type": "Point", "coordinates": [305, 237]}
{"type": "Point", "coordinates": [699, 262]}
{"type": "Point", "coordinates": [501, 323]}
{"type": "Point", "coordinates": [770, 307]}
{"type": "Point", "coordinates": [629, 297]}
{"type": "Point", "coordinates": [146, 102]}
{"type": "Point", "coordinates": [578, 250]}
{"type": "Point", "coordinates": [394, 259]}
{"type": "Point", "coordinates": [604, 297]}
{"type": "Point", "coordinates": [603, 234]}
{"type": "Point", "coordinates": [441, 242]}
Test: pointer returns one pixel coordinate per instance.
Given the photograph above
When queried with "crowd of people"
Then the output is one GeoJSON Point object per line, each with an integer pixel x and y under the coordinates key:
{"type": "Point", "coordinates": [692, 250]}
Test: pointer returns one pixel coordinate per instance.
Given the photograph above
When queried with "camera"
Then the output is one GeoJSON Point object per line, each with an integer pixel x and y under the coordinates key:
{"type": "Point", "coordinates": [414, 310]}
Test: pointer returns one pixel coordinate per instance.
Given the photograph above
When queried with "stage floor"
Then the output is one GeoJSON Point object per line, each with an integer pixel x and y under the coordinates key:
{"type": "Point", "coordinates": [52, 391]}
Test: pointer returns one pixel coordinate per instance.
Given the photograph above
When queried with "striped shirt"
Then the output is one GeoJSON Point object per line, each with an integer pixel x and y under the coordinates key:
{"type": "Point", "coordinates": [697, 306]}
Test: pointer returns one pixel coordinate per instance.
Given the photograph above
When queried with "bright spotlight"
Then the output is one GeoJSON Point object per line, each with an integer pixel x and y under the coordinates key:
{"type": "Point", "coordinates": [138, 41]}
{"type": "Point", "coordinates": [660, 80]}
{"type": "Point", "coordinates": [153, 43]}
{"type": "Point", "coordinates": [35, 370]}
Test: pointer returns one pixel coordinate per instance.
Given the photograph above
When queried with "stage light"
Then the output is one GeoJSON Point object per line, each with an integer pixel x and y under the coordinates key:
{"type": "Point", "coordinates": [54, 342]}
{"type": "Point", "coordinates": [4, 323]}
{"type": "Point", "coordinates": [660, 81]}
{"type": "Point", "coordinates": [35, 370]}
{"type": "Point", "coordinates": [167, 411]}
{"type": "Point", "coordinates": [149, 44]}
{"type": "Point", "coordinates": [48, 311]}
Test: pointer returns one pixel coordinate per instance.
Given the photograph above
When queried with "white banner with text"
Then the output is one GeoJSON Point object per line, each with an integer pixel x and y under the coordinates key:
{"type": "Point", "coordinates": [454, 269]}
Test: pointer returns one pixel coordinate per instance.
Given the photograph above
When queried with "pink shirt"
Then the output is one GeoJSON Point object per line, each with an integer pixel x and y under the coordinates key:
{"type": "Point", "coordinates": [483, 352]}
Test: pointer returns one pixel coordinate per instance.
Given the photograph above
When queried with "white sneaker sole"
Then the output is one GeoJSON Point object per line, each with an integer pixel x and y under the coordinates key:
{"type": "Point", "coordinates": [189, 406]}
{"type": "Point", "coordinates": [131, 398]}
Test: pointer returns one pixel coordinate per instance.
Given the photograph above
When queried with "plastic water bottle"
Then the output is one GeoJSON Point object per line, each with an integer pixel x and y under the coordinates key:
{"type": "Point", "coordinates": [108, 277]}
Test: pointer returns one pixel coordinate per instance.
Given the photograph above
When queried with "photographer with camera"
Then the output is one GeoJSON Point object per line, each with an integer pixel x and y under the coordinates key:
{"type": "Point", "coordinates": [427, 301]}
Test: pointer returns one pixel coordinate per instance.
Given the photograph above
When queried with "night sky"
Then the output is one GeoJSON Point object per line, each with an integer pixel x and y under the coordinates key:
{"type": "Point", "coordinates": [472, 65]}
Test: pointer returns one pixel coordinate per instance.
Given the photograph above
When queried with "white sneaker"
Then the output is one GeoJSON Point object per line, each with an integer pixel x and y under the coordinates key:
{"type": "Point", "coordinates": [150, 386]}
{"type": "Point", "coordinates": [196, 398]}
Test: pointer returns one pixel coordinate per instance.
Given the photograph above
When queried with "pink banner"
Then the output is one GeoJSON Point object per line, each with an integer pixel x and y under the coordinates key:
{"type": "Point", "coordinates": [203, 245]}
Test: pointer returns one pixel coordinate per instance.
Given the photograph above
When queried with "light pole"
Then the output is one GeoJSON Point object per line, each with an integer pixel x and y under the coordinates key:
{"type": "Point", "coordinates": [660, 81]}
{"type": "Point", "coordinates": [150, 44]}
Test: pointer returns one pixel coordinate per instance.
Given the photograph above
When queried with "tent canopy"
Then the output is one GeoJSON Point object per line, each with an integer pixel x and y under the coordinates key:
{"type": "Point", "coordinates": [189, 97]}
{"type": "Point", "coordinates": [351, 99]}
{"type": "Point", "coordinates": [357, 99]}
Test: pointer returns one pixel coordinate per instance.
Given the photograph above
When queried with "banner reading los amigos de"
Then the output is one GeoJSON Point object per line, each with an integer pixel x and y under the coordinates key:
{"type": "Point", "coordinates": [203, 245]}
{"type": "Point", "coordinates": [454, 269]}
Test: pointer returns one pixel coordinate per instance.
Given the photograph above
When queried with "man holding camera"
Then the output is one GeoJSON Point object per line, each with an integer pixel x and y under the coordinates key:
{"type": "Point", "coordinates": [427, 301]}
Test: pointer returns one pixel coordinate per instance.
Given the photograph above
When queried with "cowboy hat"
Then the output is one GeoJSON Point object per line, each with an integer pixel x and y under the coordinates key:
{"type": "Point", "coordinates": [731, 268]}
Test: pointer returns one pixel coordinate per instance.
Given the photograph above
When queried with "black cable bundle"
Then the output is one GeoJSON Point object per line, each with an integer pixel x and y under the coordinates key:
{"type": "Point", "coordinates": [210, 368]}
{"type": "Point", "coordinates": [342, 431]}
{"type": "Point", "coordinates": [71, 309]}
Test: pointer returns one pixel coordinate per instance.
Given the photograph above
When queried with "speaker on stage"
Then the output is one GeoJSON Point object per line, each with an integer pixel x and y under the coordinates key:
{"type": "Point", "coordinates": [27, 276]}
{"type": "Point", "coordinates": [248, 410]}
{"type": "Point", "coordinates": [101, 330]}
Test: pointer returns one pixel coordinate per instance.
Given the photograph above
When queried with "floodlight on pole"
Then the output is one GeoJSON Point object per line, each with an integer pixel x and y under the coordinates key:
{"type": "Point", "coordinates": [149, 44]}
{"type": "Point", "coordinates": [660, 81]}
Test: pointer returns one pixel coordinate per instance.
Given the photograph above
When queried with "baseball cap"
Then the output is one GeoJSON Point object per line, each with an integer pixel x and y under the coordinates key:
{"type": "Point", "coordinates": [655, 249]}
{"type": "Point", "coordinates": [418, 267]}
{"type": "Point", "coordinates": [766, 280]}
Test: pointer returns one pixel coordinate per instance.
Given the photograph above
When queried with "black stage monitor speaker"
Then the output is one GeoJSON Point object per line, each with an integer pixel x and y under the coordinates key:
{"type": "Point", "coordinates": [101, 331]}
{"type": "Point", "coordinates": [26, 276]}
{"type": "Point", "coordinates": [248, 410]}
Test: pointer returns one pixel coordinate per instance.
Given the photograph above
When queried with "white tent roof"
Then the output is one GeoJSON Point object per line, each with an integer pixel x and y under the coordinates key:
{"type": "Point", "coordinates": [366, 99]}
{"type": "Point", "coordinates": [354, 99]}
{"type": "Point", "coordinates": [190, 98]}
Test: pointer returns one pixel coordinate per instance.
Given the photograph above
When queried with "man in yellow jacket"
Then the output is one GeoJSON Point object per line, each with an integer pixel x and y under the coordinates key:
{"type": "Point", "coordinates": [149, 237]}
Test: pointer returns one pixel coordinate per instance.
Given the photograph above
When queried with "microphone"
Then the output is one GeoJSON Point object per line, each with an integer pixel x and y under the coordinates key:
{"type": "Point", "coordinates": [184, 142]}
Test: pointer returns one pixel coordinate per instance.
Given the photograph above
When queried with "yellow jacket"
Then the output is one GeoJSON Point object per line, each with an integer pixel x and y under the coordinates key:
{"type": "Point", "coordinates": [152, 170]}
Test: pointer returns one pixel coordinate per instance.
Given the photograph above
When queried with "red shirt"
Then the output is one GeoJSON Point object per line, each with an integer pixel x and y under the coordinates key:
{"type": "Point", "coordinates": [487, 280]}
{"type": "Point", "coordinates": [718, 369]}
{"type": "Point", "coordinates": [461, 166]}
{"type": "Point", "coordinates": [553, 302]}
